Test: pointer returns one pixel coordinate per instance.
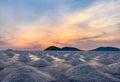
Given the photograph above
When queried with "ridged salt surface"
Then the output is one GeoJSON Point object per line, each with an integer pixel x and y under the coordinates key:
{"type": "Point", "coordinates": [59, 66]}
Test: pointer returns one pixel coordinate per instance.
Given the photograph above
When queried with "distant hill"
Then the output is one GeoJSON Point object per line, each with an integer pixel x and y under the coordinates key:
{"type": "Point", "coordinates": [106, 49]}
{"type": "Point", "coordinates": [54, 48]}
{"type": "Point", "coordinates": [70, 49]}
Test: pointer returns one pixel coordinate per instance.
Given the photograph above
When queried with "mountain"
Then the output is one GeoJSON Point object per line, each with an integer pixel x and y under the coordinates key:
{"type": "Point", "coordinates": [106, 49]}
{"type": "Point", "coordinates": [69, 49]}
{"type": "Point", "coordinates": [54, 48]}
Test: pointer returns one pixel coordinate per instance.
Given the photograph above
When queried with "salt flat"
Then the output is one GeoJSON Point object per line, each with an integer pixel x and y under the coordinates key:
{"type": "Point", "coordinates": [59, 66]}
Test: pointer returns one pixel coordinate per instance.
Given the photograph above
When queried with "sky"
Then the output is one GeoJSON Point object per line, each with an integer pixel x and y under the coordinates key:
{"type": "Point", "coordinates": [37, 24]}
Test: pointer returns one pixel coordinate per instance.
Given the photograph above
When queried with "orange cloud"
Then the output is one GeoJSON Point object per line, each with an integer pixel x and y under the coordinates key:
{"type": "Point", "coordinates": [99, 23]}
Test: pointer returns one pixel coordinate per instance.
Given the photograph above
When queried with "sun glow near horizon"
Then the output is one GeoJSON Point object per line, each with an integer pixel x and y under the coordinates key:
{"type": "Point", "coordinates": [81, 24]}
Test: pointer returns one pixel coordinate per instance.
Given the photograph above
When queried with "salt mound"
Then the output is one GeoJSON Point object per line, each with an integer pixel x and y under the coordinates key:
{"type": "Point", "coordinates": [39, 63]}
{"type": "Point", "coordinates": [86, 73]}
{"type": "Point", "coordinates": [24, 58]}
{"type": "Point", "coordinates": [114, 68]}
{"type": "Point", "coordinates": [75, 62]}
{"type": "Point", "coordinates": [48, 58]}
{"type": "Point", "coordinates": [28, 74]}
{"type": "Point", "coordinates": [105, 61]}
{"type": "Point", "coordinates": [3, 56]}
{"type": "Point", "coordinates": [3, 64]}
{"type": "Point", "coordinates": [9, 52]}
{"type": "Point", "coordinates": [11, 66]}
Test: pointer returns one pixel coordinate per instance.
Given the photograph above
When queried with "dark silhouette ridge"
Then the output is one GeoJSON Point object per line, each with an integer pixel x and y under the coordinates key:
{"type": "Point", "coordinates": [70, 49]}
{"type": "Point", "coordinates": [54, 48]}
{"type": "Point", "coordinates": [106, 49]}
{"type": "Point", "coordinates": [9, 50]}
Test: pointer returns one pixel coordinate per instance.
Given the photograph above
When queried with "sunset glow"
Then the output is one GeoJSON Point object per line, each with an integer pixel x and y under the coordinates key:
{"type": "Point", "coordinates": [37, 24]}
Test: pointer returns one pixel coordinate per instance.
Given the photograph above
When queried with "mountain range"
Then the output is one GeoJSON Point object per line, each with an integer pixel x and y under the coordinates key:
{"type": "Point", "coordinates": [106, 49]}
{"type": "Point", "coordinates": [54, 48]}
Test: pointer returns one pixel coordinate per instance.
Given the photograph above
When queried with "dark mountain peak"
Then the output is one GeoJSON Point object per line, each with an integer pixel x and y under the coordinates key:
{"type": "Point", "coordinates": [70, 49]}
{"type": "Point", "coordinates": [106, 49]}
{"type": "Point", "coordinates": [10, 50]}
{"type": "Point", "coordinates": [52, 48]}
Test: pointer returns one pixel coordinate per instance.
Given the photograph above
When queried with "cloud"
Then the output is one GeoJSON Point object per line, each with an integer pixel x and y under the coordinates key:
{"type": "Point", "coordinates": [96, 24]}
{"type": "Point", "coordinates": [3, 44]}
{"type": "Point", "coordinates": [92, 37]}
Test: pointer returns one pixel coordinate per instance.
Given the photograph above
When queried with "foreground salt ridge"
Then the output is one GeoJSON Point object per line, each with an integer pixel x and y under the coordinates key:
{"type": "Point", "coordinates": [28, 74]}
{"type": "Point", "coordinates": [61, 66]}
